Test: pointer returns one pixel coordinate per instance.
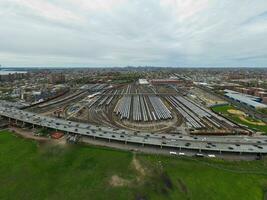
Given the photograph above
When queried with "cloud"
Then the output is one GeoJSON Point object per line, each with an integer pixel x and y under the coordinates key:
{"type": "Point", "coordinates": [133, 32]}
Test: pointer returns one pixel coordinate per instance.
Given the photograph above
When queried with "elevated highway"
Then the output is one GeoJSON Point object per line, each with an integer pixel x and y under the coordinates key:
{"type": "Point", "coordinates": [218, 144]}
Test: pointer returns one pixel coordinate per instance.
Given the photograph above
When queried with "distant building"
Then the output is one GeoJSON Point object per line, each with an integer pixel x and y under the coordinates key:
{"type": "Point", "coordinates": [166, 81]}
{"type": "Point", "coordinates": [143, 82]}
{"type": "Point", "coordinates": [13, 76]}
{"type": "Point", "coordinates": [259, 92]}
{"type": "Point", "coordinates": [56, 78]}
{"type": "Point", "coordinates": [246, 99]}
{"type": "Point", "coordinates": [226, 85]}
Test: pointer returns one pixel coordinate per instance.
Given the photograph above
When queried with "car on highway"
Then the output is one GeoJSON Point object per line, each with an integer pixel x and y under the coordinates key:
{"type": "Point", "coordinates": [199, 155]}
{"type": "Point", "coordinates": [211, 156]}
{"type": "Point", "coordinates": [173, 153]}
{"type": "Point", "coordinates": [187, 144]}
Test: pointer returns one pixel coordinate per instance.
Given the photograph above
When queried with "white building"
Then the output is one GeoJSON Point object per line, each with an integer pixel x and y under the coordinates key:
{"type": "Point", "coordinates": [249, 100]}
{"type": "Point", "coordinates": [143, 82]}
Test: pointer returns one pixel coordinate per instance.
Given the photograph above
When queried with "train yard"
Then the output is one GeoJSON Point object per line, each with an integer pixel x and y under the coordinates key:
{"type": "Point", "coordinates": [141, 110]}
{"type": "Point", "coordinates": [197, 116]}
{"type": "Point", "coordinates": [155, 108]}
{"type": "Point", "coordinates": [163, 115]}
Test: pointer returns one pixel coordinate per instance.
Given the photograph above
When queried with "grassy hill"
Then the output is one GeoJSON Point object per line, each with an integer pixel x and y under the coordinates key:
{"type": "Point", "coordinates": [31, 170]}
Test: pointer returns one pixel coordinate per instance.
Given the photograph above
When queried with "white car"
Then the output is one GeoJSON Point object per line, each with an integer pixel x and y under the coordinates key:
{"type": "Point", "coordinates": [173, 153]}
{"type": "Point", "coordinates": [181, 154]}
{"type": "Point", "coordinates": [211, 156]}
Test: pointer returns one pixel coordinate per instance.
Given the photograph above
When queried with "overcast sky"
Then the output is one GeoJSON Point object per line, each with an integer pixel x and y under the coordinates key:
{"type": "Point", "coordinates": [89, 33]}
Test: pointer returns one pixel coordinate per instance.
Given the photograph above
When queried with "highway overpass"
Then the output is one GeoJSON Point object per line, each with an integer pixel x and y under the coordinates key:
{"type": "Point", "coordinates": [219, 144]}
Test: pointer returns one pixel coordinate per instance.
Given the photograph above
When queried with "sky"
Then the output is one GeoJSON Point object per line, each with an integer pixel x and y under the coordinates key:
{"type": "Point", "coordinates": [106, 33]}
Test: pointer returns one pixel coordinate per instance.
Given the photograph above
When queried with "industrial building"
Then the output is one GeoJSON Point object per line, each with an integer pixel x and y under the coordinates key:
{"type": "Point", "coordinates": [249, 100]}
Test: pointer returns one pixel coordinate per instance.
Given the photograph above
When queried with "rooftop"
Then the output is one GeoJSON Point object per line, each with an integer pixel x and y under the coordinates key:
{"type": "Point", "coordinates": [244, 98]}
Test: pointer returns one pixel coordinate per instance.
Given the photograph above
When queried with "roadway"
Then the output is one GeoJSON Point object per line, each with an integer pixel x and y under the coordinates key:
{"type": "Point", "coordinates": [234, 144]}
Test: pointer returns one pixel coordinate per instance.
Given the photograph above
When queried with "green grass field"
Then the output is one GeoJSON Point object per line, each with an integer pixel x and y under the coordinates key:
{"type": "Point", "coordinates": [223, 110]}
{"type": "Point", "coordinates": [30, 170]}
{"type": "Point", "coordinates": [263, 110]}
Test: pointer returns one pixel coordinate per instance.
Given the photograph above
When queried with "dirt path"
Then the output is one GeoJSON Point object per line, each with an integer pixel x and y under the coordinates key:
{"type": "Point", "coordinates": [141, 172]}
{"type": "Point", "coordinates": [138, 167]}
{"type": "Point", "coordinates": [242, 116]}
{"type": "Point", "coordinates": [251, 122]}
{"type": "Point", "coordinates": [27, 134]}
{"type": "Point", "coordinates": [117, 181]}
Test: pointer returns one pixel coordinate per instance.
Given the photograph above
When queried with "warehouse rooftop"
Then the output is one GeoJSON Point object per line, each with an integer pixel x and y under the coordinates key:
{"type": "Point", "coordinates": [249, 100]}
